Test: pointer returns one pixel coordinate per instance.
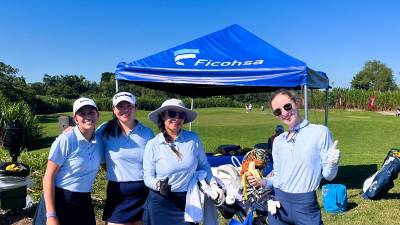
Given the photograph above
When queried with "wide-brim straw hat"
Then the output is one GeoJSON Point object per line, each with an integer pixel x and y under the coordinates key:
{"type": "Point", "coordinates": [176, 104]}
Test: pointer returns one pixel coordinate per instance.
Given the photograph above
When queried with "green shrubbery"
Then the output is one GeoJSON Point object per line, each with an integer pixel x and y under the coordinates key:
{"type": "Point", "coordinates": [351, 98]}
{"type": "Point", "coordinates": [19, 112]}
{"type": "Point", "coordinates": [48, 105]}
{"type": "Point", "coordinates": [214, 102]}
{"type": "Point", "coordinates": [103, 103]}
{"type": "Point", "coordinates": [356, 99]}
{"type": "Point", "coordinates": [148, 103]}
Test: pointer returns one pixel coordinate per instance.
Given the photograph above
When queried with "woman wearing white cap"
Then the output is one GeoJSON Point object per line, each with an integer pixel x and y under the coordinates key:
{"type": "Point", "coordinates": [74, 160]}
{"type": "Point", "coordinates": [170, 161]}
{"type": "Point", "coordinates": [124, 140]}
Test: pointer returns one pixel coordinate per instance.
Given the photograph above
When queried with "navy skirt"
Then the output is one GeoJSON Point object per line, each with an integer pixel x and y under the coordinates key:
{"type": "Point", "coordinates": [124, 203]}
{"type": "Point", "coordinates": [160, 210]}
{"type": "Point", "coordinates": [72, 208]}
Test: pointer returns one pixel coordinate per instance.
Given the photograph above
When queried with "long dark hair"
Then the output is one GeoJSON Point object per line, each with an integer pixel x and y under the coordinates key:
{"type": "Point", "coordinates": [167, 137]}
{"type": "Point", "coordinates": [112, 128]}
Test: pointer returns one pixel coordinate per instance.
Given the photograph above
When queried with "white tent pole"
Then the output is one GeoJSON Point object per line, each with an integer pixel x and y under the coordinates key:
{"type": "Point", "coordinates": [326, 106]}
{"type": "Point", "coordinates": [305, 102]}
{"type": "Point", "coordinates": [191, 107]}
{"type": "Point", "coordinates": [116, 86]}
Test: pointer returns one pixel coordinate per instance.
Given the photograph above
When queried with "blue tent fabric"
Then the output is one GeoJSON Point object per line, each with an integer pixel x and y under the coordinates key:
{"type": "Point", "coordinates": [228, 61]}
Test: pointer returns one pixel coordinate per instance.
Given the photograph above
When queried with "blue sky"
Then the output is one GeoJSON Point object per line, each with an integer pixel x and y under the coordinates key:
{"type": "Point", "coordinates": [90, 37]}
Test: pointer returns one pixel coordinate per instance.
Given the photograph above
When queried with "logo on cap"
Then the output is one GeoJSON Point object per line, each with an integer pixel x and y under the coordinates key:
{"type": "Point", "coordinates": [124, 94]}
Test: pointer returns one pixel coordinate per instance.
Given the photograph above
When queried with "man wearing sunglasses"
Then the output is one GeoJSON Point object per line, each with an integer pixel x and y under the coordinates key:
{"type": "Point", "coordinates": [302, 157]}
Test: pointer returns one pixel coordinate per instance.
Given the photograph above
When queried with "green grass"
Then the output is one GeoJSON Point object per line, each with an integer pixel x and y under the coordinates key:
{"type": "Point", "coordinates": [364, 139]}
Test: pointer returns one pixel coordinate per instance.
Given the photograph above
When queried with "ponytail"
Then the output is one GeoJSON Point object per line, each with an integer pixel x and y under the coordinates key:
{"type": "Point", "coordinates": [112, 128]}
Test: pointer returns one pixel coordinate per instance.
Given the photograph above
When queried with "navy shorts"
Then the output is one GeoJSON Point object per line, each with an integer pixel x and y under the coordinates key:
{"type": "Point", "coordinates": [125, 201]}
{"type": "Point", "coordinates": [299, 209]}
{"type": "Point", "coordinates": [165, 209]}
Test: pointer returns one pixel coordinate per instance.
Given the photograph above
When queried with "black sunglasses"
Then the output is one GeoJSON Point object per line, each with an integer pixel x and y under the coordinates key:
{"type": "Point", "coordinates": [173, 114]}
{"type": "Point", "coordinates": [287, 107]}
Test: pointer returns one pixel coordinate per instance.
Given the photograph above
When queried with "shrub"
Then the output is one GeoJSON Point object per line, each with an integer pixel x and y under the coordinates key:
{"type": "Point", "coordinates": [20, 112]}
{"type": "Point", "coordinates": [216, 101]}
{"type": "Point", "coordinates": [48, 105]}
{"type": "Point", "coordinates": [103, 103]}
{"type": "Point", "coordinates": [355, 99]}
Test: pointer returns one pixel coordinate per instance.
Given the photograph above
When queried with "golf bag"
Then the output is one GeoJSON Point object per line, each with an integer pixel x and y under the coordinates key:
{"type": "Point", "coordinates": [378, 185]}
{"type": "Point", "coordinates": [227, 177]}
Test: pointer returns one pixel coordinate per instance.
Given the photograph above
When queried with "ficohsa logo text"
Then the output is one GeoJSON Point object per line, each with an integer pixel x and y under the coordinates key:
{"type": "Point", "coordinates": [206, 62]}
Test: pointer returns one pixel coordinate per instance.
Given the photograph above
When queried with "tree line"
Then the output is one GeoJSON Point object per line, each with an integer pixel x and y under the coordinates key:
{"type": "Point", "coordinates": [21, 101]}
{"type": "Point", "coordinates": [374, 76]}
{"type": "Point", "coordinates": [15, 88]}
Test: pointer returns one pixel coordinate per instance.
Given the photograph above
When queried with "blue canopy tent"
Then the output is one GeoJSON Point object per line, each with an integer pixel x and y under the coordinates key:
{"type": "Point", "coordinates": [229, 61]}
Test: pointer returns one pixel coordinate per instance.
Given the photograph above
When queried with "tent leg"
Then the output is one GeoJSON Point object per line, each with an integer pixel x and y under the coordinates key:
{"type": "Point", "coordinates": [116, 86]}
{"type": "Point", "coordinates": [305, 88]}
{"type": "Point", "coordinates": [326, 106]}
{"type": "Point", "coordinates": [191, 107]}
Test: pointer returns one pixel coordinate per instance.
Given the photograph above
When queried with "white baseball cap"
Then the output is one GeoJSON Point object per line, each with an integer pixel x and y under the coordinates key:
{"type": "Point", "coordinates": [80, 102]}
{"type": "Point", "coordinates": [124, 96]}
{"type": "Point", "coordinates": [173, 104]}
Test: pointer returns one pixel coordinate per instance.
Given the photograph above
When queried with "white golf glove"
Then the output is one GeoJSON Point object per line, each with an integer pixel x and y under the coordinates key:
{"type": "Point", "coordinates": [333, 155]}
{"type": "Point", "coordinates": [221, 195]}
{"type": "Point", "coordinates": [273, 206]}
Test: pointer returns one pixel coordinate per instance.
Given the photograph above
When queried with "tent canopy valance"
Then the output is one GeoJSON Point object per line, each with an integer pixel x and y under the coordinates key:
{"type": "Point", "coordinates": [229, 61]}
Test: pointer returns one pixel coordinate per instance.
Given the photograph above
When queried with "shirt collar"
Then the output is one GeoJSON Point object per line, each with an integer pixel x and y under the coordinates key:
{"type": "Point", "coordinates": [299, 126]}
{"type": "Point", "coordinates": [80, 136]}
{"type": "Point", "coordinates": [296, 129]}
{"type": "Point", "coordinates": [161, 138]}
{"type": "Point", "coordinates": [138, 126]}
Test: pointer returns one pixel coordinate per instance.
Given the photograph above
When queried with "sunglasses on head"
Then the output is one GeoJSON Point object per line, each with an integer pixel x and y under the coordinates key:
{"type": "Point", "coordinates": [173, 114]}
{"type": "Point", "coordinates": [287, 107]}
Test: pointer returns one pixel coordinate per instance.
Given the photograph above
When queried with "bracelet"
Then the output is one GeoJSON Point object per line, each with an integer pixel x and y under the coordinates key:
{"type": "Point", "coordinates": [51, 214]}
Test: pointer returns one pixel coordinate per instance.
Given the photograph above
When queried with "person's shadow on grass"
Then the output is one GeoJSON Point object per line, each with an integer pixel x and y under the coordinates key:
{"type": "Point", "coordinates": [43, 142]}
{"type": "Point", "coordinates": [389, 196]}
{"type": "Point", "coordinates": [353, 176]}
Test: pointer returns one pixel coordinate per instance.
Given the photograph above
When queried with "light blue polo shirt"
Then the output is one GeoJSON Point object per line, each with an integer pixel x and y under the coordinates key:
{"type": "Point", "coordinates": [301, 162]}
{"type": "Point", "coordinates": [124, 153]}
{"type": "Point", "coordinates": [78, 159]}
{"type": "Point", "coordinates": [161, 162]}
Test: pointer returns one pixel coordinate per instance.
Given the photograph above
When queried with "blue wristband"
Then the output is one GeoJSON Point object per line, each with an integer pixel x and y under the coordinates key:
{"type": "Point", "coordinates": [51, 214]}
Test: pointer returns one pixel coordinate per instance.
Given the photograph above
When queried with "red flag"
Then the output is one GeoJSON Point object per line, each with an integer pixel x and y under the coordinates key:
{"type": "Point", "coordinates": [371, 102]}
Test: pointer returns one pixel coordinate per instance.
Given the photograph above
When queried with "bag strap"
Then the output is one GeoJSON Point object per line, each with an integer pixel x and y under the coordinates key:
{"type": "Point", "coordinates": [235, 161]}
